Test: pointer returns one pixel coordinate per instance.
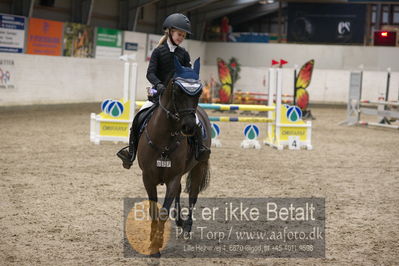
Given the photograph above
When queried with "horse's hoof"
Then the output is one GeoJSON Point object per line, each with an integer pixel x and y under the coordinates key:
{"type": "Point", "coordinates": [179, 223]}
{"type": "Point", "coordinates": [156, 255]}
{"type": "Point", "coordinates": [187, 227]}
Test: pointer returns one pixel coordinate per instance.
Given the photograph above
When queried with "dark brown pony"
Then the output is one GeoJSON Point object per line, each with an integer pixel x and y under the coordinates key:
{"type": "Point", "coordinates": [165, 153]}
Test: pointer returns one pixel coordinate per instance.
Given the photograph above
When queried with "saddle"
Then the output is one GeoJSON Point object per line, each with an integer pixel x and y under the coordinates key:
{"type": "Point", "coordinates": [139, 123]}
{"type": "Point", "coordinates": [144, 116]}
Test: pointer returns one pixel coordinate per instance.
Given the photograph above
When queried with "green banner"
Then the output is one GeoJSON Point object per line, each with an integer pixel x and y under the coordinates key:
{"type": "Point", "coordinates": [109, 37]}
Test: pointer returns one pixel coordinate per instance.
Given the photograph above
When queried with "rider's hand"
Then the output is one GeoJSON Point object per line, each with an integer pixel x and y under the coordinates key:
{"type": "Point", "coordinates": [152, 92]}
{"type": "Point", "coordinates": [156, 92]}
{"type": "Point", "coordinates": [160, 88]}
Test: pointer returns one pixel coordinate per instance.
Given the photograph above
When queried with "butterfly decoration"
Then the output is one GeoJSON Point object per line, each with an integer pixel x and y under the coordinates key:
{"type": "Point", "coordinates": [302, 82]}
{"type": "Point", "coordinates": [206, 96]}
{"type": "Point", "coordinates": [228, 75]}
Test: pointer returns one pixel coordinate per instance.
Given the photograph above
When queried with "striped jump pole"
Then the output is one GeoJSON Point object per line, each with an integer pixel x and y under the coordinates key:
{"type": "Point", "coordinates": [229, 107]}
{"type": "Point", "coordinates": [238, 107]}
{"type": "Point", "coordinates": [389, 103]}
{"type": "Point", "coordinates": [240, 119]}
{"type": "Point", "coordinates": [244, 94]}
{"type": "Point", "coordinates": [259, 100]}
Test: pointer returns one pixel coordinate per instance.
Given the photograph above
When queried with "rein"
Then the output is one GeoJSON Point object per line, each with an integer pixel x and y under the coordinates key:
{"type": "Point", "coordinates": [178, 113]}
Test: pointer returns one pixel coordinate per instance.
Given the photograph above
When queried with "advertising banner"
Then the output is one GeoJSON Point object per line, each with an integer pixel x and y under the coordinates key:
{"type": "Point", "coordinates": [12, 33]}
{"type": "Point", "coordinates": [7, 72]}
{"type": "Point", "coordinates": [326, 23]}
{"type": "Point", "coordinates": [108, 43]}
{"type": "Point", "coordinates": [78, 40]}
{"type": "Point", "coordinates": [44, 37]}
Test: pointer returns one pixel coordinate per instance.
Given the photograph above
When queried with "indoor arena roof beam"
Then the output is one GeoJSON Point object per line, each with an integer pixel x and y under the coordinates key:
{"type": "Point", "coordinates": [129, 12]}
{"type": "Point", "coordinates": [81, 11]}
{"type": "Point", "coordinates": [226, 7]}
{"type": "Point", "coordinates": [22, 7]}
{"type": "Point", "coordinates": [166, 8]}
{"type": "Point", "coordinates": [200, 16]}
{"type": "Point", "coordinates": [256, 11]}
{"type": "Point", "coordinates": [184, 7]}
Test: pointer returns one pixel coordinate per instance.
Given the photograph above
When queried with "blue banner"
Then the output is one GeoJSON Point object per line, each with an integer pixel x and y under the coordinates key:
{"type": "Point", "coordinates": [12, 22]}
{"type": "Point", "coordinates": [12, 33]}
{"type": "Point", "coordinates": [11, 50]}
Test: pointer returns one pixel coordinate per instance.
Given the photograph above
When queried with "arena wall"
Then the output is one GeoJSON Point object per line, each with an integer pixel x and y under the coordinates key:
{"type": "Point", "coordinates": [52, 80]}
{"type": "Point", "coordinates": [337, 57]}
{"type": "Point", "coordinates": [327, 86]}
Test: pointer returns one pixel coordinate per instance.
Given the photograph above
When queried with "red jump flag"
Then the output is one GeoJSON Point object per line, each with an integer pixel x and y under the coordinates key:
{"type": "Point", "coordinates": [283, 62]}
{"type": "Point", "coordinates": [274, 62]}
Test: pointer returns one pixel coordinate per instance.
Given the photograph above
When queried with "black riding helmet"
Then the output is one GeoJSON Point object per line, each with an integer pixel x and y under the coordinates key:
{"type": "Point", "coordinates": [177, 21]}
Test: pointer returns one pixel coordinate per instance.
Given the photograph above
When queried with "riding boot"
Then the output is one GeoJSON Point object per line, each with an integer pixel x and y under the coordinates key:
{"type": "Point", "coordinates": [128, 153]}
{"type": "Point", "coordinates": [202, 152]}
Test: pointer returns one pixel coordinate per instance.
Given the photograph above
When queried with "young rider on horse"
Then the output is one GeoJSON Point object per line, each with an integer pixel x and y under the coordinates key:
{"type": "Point", "coordinates": [160, 69]}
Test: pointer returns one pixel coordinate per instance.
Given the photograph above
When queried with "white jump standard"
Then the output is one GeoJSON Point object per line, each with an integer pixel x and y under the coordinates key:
{"type": "Point", "coordinates": [116, 127]}
{"type": "Point", "coordinates": [381, 108]}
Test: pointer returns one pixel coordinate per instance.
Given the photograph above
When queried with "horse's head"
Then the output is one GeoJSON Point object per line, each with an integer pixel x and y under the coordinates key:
{"type": "Point", "coordinates": [182, 96]}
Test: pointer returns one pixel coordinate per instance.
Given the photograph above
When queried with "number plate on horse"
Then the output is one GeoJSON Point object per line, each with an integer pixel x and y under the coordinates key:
{"type": "Point", "coordinates": [164, 163]}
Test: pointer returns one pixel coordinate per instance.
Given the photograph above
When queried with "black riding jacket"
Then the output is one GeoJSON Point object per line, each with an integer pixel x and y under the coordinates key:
{"type": "Point", "coordinates": [162, 66]}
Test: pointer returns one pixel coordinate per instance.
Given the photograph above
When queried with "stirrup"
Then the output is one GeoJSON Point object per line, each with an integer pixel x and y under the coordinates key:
{"type": "Point", "coordinates": [126, 157]}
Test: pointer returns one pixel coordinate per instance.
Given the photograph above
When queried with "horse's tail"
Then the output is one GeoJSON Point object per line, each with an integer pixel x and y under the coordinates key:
{"type": "Point", "coordinates": [198, 178]}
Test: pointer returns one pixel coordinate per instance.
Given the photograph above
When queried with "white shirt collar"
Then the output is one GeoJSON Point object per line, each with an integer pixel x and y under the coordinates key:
{"type": "Point", "coordinates": [171, 46]}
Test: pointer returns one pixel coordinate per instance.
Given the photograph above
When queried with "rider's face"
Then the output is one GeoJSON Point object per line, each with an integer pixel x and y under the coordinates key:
{"type": "Point", "coordinates": [178, 36]}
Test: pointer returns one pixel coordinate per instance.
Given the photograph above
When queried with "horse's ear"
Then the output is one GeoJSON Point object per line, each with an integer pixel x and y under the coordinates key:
{"type": "Point", "coordinates": [197, 66]}
{"type": "Point", "coordinates": [178, 66]}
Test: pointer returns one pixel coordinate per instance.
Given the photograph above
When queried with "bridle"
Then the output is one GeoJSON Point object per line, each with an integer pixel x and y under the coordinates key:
{"type": "Point", "coordinates": [190, 87]}
{"type": "Point", "coordinates": [177, 113]}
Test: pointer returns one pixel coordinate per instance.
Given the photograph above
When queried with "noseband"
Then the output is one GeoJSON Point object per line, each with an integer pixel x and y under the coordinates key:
{"type": "Point", "coordinates": [178, 113]}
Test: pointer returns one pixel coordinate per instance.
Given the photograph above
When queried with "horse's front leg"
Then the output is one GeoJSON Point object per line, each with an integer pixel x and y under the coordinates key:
{"type": "Point", "coordinates": [178, 219]}
{"type": "Point", "coordinates": [151, 189]}
{"type": "Point", "coordinates": [192, 200]}
{"type": "Point", "coordinates": [172, 189]}
{"type": "Point", "coordinates": [154, 213]}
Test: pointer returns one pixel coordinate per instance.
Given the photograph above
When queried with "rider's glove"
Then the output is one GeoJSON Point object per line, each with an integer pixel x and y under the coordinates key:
{"type": "Point", "coordinates": [160, 88]}
{"type": "Point", "coordinates": [155, 92]}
